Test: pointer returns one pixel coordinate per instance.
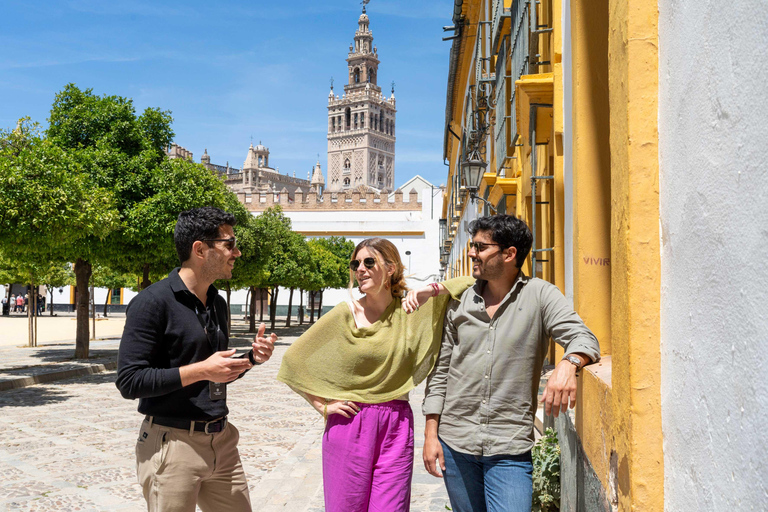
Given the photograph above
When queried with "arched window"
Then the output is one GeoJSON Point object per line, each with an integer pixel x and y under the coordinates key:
{"type": "Point", "coordinates": [333, 124]}
{"type": "Point", "coordinates": [346, 182]}
{"type": "Point", "coordinates": [347, 165]}
{"type": "Point", "coordinates": [357, 75]}
{"type": "Point", "coordinates": [381, 121]}
{"type": "Point", "coordinates": [372, 76]}
{"type": "Point", "coordinates": [348, 118]}
{"type": "Point", "coordinates": [355, 120]}
{"type": "Point", "coordinates": [362, 120]}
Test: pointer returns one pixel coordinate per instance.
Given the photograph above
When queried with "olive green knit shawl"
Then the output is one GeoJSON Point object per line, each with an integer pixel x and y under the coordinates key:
{"type": "Point", "coordinates": [336, 360]}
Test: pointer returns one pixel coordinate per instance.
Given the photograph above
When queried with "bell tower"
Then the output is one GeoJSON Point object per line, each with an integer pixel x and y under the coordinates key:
{"type": "Point", "coordinates": [361, 124]}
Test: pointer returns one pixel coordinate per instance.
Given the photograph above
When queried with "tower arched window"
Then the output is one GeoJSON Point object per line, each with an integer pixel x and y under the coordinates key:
{"type": "Point", "coordinates": [355, 120]}
{"type": "Point", "coordinates": [348, 118]}
{"type": "Point", "coordinates": [346, 182]}
{"type": "Point", "coordinates": [381, 121]}
{"type": "Point", "coordinates": [333, 124]}
{"type": "Point", "coordinates": [357, 75]}
{"type": "Point", "coordinates": [362, 120]}
{"type": "Point", "coordinates": [372, 76]}
{"type": "Point", "coordinates": [347, 164]}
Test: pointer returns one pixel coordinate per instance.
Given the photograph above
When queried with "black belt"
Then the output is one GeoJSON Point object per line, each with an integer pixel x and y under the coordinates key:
{"type": "Point", "coordinates": [209, 427]}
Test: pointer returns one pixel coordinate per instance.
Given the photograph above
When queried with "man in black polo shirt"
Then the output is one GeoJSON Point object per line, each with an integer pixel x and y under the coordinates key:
{"type": "Point", "coordinates": [174, 358]}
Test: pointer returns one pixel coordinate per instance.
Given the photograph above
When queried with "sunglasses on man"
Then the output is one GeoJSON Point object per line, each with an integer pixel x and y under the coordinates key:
{"type": "Point", "coordinates": [230, 243]}
{"type": "Point", "coordinates": [480, 246]}
{"type": "Point", "coordinates": [369, 263]}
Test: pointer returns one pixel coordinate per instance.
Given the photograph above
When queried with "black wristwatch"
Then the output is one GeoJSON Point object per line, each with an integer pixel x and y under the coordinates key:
{"type": "Point", "coordinates": [253, 361]}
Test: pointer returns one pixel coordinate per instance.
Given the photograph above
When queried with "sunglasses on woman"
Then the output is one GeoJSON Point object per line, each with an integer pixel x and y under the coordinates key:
{"type": "Point", "coordinates": [368, 262]}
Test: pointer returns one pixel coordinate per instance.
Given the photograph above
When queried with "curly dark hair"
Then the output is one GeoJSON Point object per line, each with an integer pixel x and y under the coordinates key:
{"type": "Point", "coordinates": [198, 224]}
{"type": "Point", "coordinates": [507, 231]}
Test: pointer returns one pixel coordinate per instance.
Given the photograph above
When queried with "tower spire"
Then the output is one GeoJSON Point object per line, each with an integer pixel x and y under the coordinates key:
{"type": "Point", "coordinates": [361, 123]}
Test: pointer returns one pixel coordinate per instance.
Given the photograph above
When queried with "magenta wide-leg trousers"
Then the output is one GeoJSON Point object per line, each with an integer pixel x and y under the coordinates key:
{"type": "Point", "coordinates": [368, 459]}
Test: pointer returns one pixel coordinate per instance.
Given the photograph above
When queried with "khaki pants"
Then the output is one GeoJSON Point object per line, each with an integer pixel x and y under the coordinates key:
{"type": "Point", "coordinates": [178, 470]}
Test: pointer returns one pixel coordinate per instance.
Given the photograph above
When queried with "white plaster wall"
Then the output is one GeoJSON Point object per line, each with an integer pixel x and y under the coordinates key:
{"type": "Point", "coordinates": [713, 134]}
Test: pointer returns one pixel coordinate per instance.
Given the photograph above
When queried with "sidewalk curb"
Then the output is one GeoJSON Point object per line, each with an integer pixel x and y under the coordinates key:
{"type": "Point", "coordinates": [22, 382]}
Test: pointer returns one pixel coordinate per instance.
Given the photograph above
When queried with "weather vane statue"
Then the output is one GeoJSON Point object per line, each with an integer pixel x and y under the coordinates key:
{"type": "Point", "coordinates": [364, 2]}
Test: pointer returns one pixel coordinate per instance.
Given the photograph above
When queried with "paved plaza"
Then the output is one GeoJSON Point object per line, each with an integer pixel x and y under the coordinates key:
{"type": "Point", "coordinates": [68, 445]}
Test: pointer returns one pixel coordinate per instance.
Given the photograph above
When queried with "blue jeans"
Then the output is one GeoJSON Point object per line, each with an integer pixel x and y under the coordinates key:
{"type": "Point", "coordinates": [499, 483]}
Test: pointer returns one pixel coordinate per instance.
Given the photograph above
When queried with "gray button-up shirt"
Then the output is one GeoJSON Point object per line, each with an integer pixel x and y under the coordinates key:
{"type": "Point", "coordinates": [486, 379]}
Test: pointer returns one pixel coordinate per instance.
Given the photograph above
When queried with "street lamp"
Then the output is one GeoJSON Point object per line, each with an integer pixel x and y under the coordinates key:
{"type": "Point", "coordinates": [472, 169]}
{"type": "Point", "coordinates": [408, 253]}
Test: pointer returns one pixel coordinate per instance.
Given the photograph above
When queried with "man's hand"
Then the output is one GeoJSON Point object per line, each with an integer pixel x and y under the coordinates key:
{"type": "Point", "coordinates": [221, 367]}
{"type": "Point", "coordinates": [561, 387]}
{"type": "Point", "coordinates": [263, 347]}
{"type": "Point", "coordinates": [433, 450]}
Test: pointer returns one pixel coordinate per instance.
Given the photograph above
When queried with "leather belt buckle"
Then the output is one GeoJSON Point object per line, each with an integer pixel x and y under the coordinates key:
{"type": "Point", "coordinates": [215, 426]}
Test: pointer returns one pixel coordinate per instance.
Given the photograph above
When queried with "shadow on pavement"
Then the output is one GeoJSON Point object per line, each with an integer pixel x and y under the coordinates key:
{"type": "Point", "coordinates": [53, 392]}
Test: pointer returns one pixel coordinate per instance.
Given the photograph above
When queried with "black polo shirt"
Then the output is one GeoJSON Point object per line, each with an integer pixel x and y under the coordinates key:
{"type": "Point", "coordinates": [163, 332]}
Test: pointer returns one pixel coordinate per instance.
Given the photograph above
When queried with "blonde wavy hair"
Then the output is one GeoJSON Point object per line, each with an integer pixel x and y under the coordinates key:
{"type": "Point", "coordinates": [386, 255]}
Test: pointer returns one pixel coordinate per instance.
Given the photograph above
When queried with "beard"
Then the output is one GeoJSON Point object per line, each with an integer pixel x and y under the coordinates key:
{"type": "Point", "coordinates": [489, 269]}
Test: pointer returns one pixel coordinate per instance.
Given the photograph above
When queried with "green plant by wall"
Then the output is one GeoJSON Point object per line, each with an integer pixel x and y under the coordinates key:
{"type": "Point", "coordinates": [546, 473]}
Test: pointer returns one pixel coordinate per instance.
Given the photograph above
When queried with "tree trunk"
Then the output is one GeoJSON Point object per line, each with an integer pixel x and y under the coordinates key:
{"type": "Point", "coordinates": [311, 306]}
{"type": "Point", "coordinates": [301, 307]}
{"type": "Point", "coordinates": [320, 305]}
{"type": "Point", "coordinates": [36, 315]}
{"type": "Point", "coordinates": [290, 304]}
{"type": "Point", "coordinates": [50, 300]}
{"type": "Point", "coordinates": [82, 276]}
{"type": "Point", "coordinates": [107, 301]}
{"type": "Point", "coordinates": [252, 317]}
{"type": "Point", "coordinates": [31, 315]}
{"type": "Point", "coordinates": [261, 304]}
{"type": "Point", "coordinates": [229, 310]}
{"type": "Point", "coordinates": [273, 306]}
{"type": "Point", "coordinates": [145, 282]}
{"type": "Point", "coordinates": [93, 312]}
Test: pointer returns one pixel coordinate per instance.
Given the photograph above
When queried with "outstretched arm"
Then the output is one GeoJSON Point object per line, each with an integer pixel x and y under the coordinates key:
{"type": "Point", "coordinates": [420, 296]}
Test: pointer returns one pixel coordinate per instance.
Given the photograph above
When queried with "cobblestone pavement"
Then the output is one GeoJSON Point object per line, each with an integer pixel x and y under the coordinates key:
{"type": "Point", "coordinates": [69, 445]}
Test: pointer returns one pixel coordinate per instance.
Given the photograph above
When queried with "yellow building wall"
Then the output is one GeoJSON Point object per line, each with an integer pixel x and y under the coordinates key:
{"type": "Point", "coordinates": [615, 218]}
{"type": "Point", "coordinates": [635, 326]}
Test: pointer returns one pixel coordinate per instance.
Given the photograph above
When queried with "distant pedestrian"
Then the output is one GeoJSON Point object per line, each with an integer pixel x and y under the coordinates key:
{"type": "Point", "coordinates": [20, 303]}
{"type": "Point", "coordinates": [13, 303]}
{"type": "Point", "coordinates": [39, 304]}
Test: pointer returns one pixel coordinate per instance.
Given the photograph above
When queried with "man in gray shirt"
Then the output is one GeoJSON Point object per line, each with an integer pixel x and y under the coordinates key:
{"type": "Point", "coordinates": [482, 394]}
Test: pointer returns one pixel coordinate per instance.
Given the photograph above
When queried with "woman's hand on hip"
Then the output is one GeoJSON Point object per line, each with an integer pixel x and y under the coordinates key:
{"type": "Point", "coordinates": [346, 408]}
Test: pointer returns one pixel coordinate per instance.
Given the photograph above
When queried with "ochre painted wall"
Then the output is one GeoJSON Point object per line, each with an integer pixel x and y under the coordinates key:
{"type": "Point", "coordinates": [635, 253]}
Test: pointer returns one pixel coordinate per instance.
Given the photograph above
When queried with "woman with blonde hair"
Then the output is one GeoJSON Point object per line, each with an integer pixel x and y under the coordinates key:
{"type": "Point", "coordinates": [356, 366]}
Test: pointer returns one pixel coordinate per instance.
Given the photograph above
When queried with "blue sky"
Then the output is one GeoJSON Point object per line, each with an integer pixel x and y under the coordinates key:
{"type": "Point", "coordinates": [231, 70]}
